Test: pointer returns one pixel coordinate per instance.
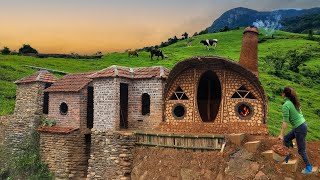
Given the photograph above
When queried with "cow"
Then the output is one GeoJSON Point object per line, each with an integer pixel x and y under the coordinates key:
{"type": "Point", "coordinates": [156, 52]}
{"type": "Point", "coordinates": [133, 53]}
{"type": "Point", "coordinates": [210, 42]}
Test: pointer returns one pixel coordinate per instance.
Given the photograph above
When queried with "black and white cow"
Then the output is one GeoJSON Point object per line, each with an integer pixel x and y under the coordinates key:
{"type": "Point", "coordinates": [210, 42]}
{"type": "Point", "coordinates": [156, 52]}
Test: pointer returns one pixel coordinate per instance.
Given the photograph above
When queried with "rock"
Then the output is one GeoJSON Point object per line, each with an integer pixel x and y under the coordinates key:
{"type": "Point", "coordinates": [261, 176]}
{"type": "Point", "coordinates": [220, 176]}
{"type": "Point", "coordinates": [242, 166]}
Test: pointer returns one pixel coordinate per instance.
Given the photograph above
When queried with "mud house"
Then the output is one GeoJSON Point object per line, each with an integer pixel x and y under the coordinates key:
{"type": "Point", "coordinates": [200, 95]}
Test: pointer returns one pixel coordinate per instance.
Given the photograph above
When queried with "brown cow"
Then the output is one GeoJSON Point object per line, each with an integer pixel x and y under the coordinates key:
{"type": "Point", "coordinates": [133, 53]}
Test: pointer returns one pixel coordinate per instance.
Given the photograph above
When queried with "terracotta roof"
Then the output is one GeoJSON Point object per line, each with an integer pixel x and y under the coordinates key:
{"type": "Point", "coordinates": [132, 73]}
{"type": "Point", "coordinates": [71, 83]}
{"type": "Point", "coordinates": [56, 129]}
{"type": "Point", "coordinates": [40, 76]}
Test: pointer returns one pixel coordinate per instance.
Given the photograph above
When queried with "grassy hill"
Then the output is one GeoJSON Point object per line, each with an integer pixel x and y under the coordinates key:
{"type": "Point", "coordinates": [12, 68]}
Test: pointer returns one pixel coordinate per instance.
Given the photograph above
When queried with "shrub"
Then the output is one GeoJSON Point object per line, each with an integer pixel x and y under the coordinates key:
{"type": "Point", "coordinates": [48, 122]}
{"type": "Point", "coordinates": [26, 164]}
{"type": "Point", "coordinates": [296, 59]}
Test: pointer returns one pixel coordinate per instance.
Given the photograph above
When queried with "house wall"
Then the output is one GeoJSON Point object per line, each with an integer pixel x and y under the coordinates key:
{"type": "Point", "coordinates": [107, 103]}
{"type": "Point", "coordinates": [226, 121]}
{"type": "Point", "coordinates": [64, 154]}
{"type": "Point", "coordinates": [76, 116]}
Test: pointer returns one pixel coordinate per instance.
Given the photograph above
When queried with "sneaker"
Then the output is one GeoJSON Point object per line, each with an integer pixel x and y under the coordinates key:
{"type": "Point", "coordinates": [307, 170]}
{"type": "Point", "coordinates": [287, 158]}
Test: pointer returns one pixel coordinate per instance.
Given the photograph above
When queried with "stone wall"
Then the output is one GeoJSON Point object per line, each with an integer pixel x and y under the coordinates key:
{"type": "Point", "coordinates": [27, 113]}
{"type": "Point", "coordinates": [65, 154]}
{"type": "Point", "coordinates": [111, 155]}
{"type": "Point", "coordinates": [76, 116]}
{"type": "Point", "coordinates": [227, 120]}
{"type": "Point", "coordinates": [4, 120]}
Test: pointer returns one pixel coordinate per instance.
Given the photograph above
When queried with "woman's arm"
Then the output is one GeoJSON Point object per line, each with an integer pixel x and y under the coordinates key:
{"type": "Point", "coordinates": [284, 126]}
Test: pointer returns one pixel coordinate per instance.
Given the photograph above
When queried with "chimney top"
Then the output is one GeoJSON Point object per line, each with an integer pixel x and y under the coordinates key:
{"type": "Point", "coordinates": [251, 29]}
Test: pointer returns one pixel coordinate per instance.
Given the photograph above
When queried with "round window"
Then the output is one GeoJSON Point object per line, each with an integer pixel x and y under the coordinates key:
{"type": "Point", "coordinates": [179, 111]}
{"type": "Point", "coordinates": [63, 108]}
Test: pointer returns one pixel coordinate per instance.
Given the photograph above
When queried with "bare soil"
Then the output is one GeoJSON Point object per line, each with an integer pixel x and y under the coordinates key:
{"type": "Point", "coordinates": [164, 163]}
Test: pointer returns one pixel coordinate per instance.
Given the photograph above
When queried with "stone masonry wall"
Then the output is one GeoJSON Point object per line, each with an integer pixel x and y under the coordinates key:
{"type": "Point", "coordinates": [27, 113]}
{"type": "Point", "coordinates": [64, 154]}
{"type": "Point", "coordinates": [111, 155]}
{"type": "Point", "coordinates": [4, 120]}
{"type": "Point", "coordinates": [227, 121]}
{"type": "Point", "coordinates": [76, 116]}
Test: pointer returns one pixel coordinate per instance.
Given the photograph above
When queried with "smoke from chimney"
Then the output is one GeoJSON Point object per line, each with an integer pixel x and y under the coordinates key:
{"type": "Point", "coordinates": [249, 49]}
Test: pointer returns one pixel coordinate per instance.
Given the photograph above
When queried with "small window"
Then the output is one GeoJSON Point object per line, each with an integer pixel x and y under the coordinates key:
{"type": "Point", "coordinates": [243, 92]}
{"type": "Point", "coordinates": [63, 108]}
{"type": "Point", "coordinates": [145, 104]}
{"type": "Point", "coordinates": [45, 108]}
{"type": "Point", "coordinates": [178, 111]}
{"type": "Point", "coordinates": [179, 94]}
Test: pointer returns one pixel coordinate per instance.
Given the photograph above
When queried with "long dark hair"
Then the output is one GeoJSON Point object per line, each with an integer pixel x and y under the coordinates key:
{"type": "Point", "coordinates": [291, 94]}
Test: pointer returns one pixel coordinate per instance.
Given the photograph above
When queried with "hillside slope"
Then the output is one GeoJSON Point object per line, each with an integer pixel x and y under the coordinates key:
{"type": "Point", "coordinates": [12, 68]}
{"type": "Point", "coordinates": [242, 17]}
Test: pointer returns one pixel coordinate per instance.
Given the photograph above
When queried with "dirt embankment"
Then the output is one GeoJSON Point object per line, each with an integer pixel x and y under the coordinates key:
{"type": "Point", "coordinates": [234, 163]}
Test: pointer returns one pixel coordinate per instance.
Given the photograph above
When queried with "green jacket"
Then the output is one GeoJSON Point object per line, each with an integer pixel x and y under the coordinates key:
{"type": "Point", "coordinates": [291, 115]}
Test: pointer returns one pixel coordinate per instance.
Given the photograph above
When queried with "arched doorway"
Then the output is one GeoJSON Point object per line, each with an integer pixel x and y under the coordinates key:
{"type": "Point", "coordinates": [209, 96]}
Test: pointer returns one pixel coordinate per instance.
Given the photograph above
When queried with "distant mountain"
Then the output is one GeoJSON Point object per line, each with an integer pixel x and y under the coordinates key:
{"type": "Point", "coordinates": [302, 24]}
{"type": "Point", "coordinates": [242, 17]}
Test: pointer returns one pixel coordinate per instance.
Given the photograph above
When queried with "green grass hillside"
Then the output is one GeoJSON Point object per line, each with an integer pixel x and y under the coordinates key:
{"type": "Point", "coordinates": [308, 89]}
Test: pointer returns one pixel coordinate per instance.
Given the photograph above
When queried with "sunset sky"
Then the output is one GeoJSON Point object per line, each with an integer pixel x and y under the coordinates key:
{"type": "Point", "coordinates": [88, 26]}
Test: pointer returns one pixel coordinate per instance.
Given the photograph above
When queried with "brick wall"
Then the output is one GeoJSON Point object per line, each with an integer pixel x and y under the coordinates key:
{"type": "Point", "coordinates": [111, 155]}
{"type": "Point", "coordinates": [227, 120]}
{"type": "Point", "coordinates": [105, 99]}
{"type": "Point", "coordinates": [107, 103]}
{"type": "Point", "coordinates": [154, 88]}
{"type": "Point", "coordinates": [76, 116]}
{"type": "Point", "coordinates": [64, 154]}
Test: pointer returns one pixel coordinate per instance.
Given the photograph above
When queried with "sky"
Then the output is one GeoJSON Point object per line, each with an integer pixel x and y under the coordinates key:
{"type": "Point", "coordinates": [89, 26]}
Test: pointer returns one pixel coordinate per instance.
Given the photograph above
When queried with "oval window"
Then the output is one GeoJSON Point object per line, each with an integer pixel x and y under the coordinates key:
{"type": "Point", "coordinates": [63, 108]}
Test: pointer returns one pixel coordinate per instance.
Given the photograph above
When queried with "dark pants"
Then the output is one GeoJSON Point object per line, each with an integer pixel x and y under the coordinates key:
{"type": "Point", "coordinates": [300, 134]}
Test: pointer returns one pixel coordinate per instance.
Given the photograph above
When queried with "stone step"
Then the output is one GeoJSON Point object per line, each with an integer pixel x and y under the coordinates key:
{"type": "Point", "coordinates": [237, 138]}
{"type": "Point", "coordinates": [292, 165]}
{"type": "Point", "coordinates": [277, 157]}
{"type": "Point", "coordinates": [268, 155]}
{"type": "Point", "coordinates": [315, 170]}
{"type": "Point", "coordinates": [252, 146]}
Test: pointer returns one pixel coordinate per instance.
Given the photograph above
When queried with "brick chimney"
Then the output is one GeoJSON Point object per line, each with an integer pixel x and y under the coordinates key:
{"type": "Point", "coordinates": [249, 49]}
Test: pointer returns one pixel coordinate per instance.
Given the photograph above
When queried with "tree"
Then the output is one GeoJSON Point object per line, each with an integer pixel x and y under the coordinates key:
{"type": "Point", "coordinates": [296, 59]}
{"type": "Point", "coordinates": [195, 34]}
{"type": "Point", "coordinates": [26, 48]}
{"type": "Point", "coordinates": [206, 31]}
{"type": "Point", "coordinates": [185, 35]}
{"type": "Point", "coordinates": [224, 29]}
{"type": "Point", "coordinates": [310, 34]}
{"type": "Point", "coordinates": [5, 51]}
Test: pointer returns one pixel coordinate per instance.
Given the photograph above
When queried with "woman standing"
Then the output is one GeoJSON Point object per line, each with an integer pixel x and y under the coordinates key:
{"type": "Point", "coordinates": [291, 113]}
